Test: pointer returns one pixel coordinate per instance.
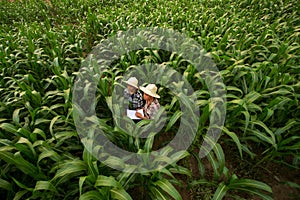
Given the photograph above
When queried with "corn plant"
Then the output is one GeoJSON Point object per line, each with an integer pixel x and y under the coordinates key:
{"type": "Point", "coordinates": [254, 43]}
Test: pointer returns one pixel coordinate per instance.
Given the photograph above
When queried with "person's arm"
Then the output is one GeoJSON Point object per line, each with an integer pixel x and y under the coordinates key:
{"type": "Point", "coordinates": [139, 115]}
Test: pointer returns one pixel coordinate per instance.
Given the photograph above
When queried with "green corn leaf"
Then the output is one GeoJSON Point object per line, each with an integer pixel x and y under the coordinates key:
{"type": "Point", "coordinates": [248, 183]}
{"type": "Point", "coordinates": [258, 193]}
{"type": "Point", "coordinates": [232, 88]}
{"type": "Point", "coordinates": [289, 125]}
{"type": "Point", "coordinates": [114, 161]}
{"type": "Point", "coordinates": [5, 185]}
{"type": "Point", "coordinates": [88, 158]}
{"type": "Point", "coordinates": [16, 115]}
{"type": "Point", "coordinates": [81, 182]}
{"type": "Point", "coordinates": [23, 140]}
{"type": "Point", "coordinates": [8, 127]}
{"type": "Point", "coordinates": [181, 170]}
{"type": "Point", "coordinates": [220, 192]}
{"type": "Point", "coordinates": [220, 156]}
{"type": "Point", "coordinates": [266, 129]}
{"type": "Point", "coordinates": [292, 184]}
{"type": "Point", "coordinates": [179, 155]}
{"type": "Point", "coordinates": [69, 169]}
{"type": "Point", "coordinates": [24, 132]}
{"type": "Point", "coordinates": [120, 194]}
{"type": "Point", "coordinates": [21, 185]}
{"type": "Point", "coordinates": [173, 119]}
{"type": "Point", "coordinates": [52, 123]}
{"type": "Point", "coordinates": [27, 167]}
{"type": "Point", "coordinates": [262, 136]}
{"type": "Point", "coordinates": [157, 194]}
{"type": "Point", "coordinates": [285, 143]}
{"type": "Point", "coordinates": [48, 153]}
{"type": "Point", "coordinates": [91, 195]}
{"type": "Point", "coordinates": [149, 142]}
{"type": "Point", "coordinates": [7, 157]}
{"type": "Point", "coordinates": [201, 166]}
{"type": "Point", "coordinates": [252, 96]}
{"type": "Point", "coordinates": [107, 181]}
{"type": "Point", "coordinates": [167, 187]}
{"type": "Point", "coordinates": [235, 138]}
{"type": "Point", "coordinates": [44, 185]}
{"type": "Point", "coordinates": [20, 194]}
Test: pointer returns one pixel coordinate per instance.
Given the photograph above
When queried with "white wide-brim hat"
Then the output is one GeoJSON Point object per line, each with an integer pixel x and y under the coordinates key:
{"type": "Point", "coordinates": [151, 90]}
{"type": "Point", "coordinates": [133, 82]}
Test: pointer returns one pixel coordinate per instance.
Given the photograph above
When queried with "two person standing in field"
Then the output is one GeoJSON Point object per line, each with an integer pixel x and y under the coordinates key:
{"type": "Point", "coordinates": [148, 102]}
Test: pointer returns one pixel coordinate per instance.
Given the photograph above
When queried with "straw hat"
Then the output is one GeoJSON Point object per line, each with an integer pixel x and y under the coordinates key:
{"type": "Point", "coordinates": [133, 82]}
{"type": "Point", "coordinates": [151, 90]}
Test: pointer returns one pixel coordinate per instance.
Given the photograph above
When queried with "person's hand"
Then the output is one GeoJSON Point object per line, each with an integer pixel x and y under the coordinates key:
{"type": "Point", "coordinates": [139, 115]}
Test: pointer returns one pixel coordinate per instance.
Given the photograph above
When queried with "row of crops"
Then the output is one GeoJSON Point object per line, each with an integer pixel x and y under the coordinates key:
{"type": "Point", "coordinates": [254, 43]}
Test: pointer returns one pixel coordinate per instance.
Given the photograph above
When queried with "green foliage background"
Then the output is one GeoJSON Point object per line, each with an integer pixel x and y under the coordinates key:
{"type": "Point", "coordinates": [255, 44]}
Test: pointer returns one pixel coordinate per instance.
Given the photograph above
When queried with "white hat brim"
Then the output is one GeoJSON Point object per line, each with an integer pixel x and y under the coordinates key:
{"type": "Point", "coordinates": [145, 90]}
{"type": "Point", "coordinates": [131, 84]}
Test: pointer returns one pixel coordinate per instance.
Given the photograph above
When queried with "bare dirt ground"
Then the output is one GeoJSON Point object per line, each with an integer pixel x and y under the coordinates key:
{"type": "Point", "coordinates": [274, 174]}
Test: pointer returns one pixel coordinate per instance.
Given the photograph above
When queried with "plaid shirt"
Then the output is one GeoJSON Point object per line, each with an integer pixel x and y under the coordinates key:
{"type": "Point", "coordinates": [135, 100]}
{"type": "Point", "coordinates": [151, 110]}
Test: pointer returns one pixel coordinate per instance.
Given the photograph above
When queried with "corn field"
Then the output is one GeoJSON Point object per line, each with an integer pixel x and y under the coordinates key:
{"type": "Point", "coordinates": [256, 47]}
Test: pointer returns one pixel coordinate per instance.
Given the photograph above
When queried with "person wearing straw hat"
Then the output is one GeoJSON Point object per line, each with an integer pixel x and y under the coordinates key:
{"type": "Point", "coordinates": [133, 94]}
{"type": "Point", "coordinates": [152, 105]}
